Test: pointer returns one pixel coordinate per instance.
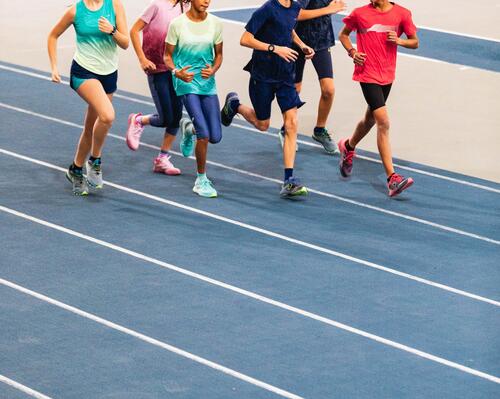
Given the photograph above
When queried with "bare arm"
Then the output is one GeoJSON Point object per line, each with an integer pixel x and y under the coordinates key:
{"type": "Point", "coordinates": [135, 38]}
{"type": "Point", "coordinates": [249, 40]}
{"type": "Point", "coordinates": [212, 69]}
{"type": "Point", "coordinates": [411, 42]}
{"type": "Point", "coordinates": [333, 8]}
{"type": "Point", "coordinates": [121, 36]}
{"type": "Point", "coordinates": [358, 58]}
{"type": "Point", "coordinates": [308, 51]}
{"type": "Point", "coordinates": [64, 23]}
{"type": "Point", "coordinates": [183, 73]}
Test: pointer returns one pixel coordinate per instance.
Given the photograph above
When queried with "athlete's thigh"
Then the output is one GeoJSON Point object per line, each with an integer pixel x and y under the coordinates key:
{"type": "Point", "coordinates": [211, 110]}
{"type": "Point", "coordinates": [93, 94]}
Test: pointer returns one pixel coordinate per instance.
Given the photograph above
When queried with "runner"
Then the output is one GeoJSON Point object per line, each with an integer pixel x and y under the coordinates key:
{"type": "Point", "coordinates": [194, 54]}
{"type": "Point", "coordinates": [270, 33]}
{"type": "Point", "coordinates": [154, 23]}
{"type": "Point", "coordinates": [100, 26]}
{"type": "Point", "coordinates": [379, 26]}
{"type": "Point", "coordinates": [316, 29]}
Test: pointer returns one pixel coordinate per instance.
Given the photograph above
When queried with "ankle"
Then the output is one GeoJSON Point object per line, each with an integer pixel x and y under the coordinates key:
{"type": "Point", "coordinates": [348, 146]}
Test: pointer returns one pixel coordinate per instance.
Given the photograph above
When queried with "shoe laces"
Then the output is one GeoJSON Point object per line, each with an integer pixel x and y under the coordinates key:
{"type": "Point", "coordinates": [395, 179]}
{"type": "Point", "coordinates": [164, 161]}
{"type": "Point", "coordinates": [292, 181]}
{"type": "Point", "coordinates": [324, 133]}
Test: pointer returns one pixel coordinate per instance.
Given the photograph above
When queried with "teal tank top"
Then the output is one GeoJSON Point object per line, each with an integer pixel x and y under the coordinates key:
{"type": "Point", "coordinates": [95, 51]}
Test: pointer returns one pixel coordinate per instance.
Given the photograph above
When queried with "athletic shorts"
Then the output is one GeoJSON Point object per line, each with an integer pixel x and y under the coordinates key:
{"type": "Point", "coordinates": [168, 105]}
{"type": "Point", "coordinates": [204, 112]}
{"type": "Point", "coordinates": [79, 75]}
{"type": "Point", "coordinates": [375, 95]}
{"type": "Point", "coordinates": [262, 95]}
{"type": "Point", "coordinates": [322, 62]}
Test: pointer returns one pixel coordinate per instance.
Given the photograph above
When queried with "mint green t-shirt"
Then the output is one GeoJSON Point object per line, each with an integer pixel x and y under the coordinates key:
{"type": "Point", "coordinates": [95, 51]}
{"type": "Point", "coordinates": [194, 45]}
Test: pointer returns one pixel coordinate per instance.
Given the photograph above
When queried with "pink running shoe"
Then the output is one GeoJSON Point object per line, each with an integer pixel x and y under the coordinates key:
{"type": "Point", "coordinates": [346, 157]}
{"type": "Point", "coordinates": [134, 132]}
{"type": "Point", "coordinates": [162, 164]}
{"type": "Point", "coordinates": [397, 184]}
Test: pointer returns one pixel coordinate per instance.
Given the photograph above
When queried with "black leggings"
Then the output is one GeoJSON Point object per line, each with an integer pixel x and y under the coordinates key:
{"type": "Point", "coordinates": [375, 95]}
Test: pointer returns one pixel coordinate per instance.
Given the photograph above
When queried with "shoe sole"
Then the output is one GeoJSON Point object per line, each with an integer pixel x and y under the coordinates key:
{"type": "Point", "coordinates": [166, 172]}
{"type": "Point", "coordinates": [303, 192]}
{"type": "Point", "coordinates": [335, 151]}
{"type": "Point", "coordinates": [204, 196]}
{"type": "Point", "coordinates": [408, 184]}
{"type": "Point", "coordinates": [127, 139]}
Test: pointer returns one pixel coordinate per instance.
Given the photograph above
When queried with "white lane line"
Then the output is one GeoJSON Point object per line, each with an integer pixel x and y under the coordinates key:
{"type": "Point", "coordinates": [271, 234]}
{"type": "Point", "coordinates": [247, 127]}
{"type": "Point", "coordinates": [247, 173]}
{"type": "Point", "coordinates": [152, 341]}
{"type": "Point", "coordinates": [249, 294]}
{"type": "Point", "coordinates": [23, 388]}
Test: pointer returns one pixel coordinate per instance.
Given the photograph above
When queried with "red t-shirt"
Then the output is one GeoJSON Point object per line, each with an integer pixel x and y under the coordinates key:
{"type": "Point", "coordinates": [371, 26]}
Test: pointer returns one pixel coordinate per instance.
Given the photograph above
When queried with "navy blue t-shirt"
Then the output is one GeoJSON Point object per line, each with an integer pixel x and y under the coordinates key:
{"type": "Point", "coordinates": [272, 23]}
{"type": "Point", "coordinates": [318, 32]}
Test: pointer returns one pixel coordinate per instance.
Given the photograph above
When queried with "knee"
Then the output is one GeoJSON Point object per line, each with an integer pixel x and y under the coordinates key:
{"type": "Point", "coordinates": [328, 93]}
{"type": "Point", "coordinates": [383, 125]}
{"type": "Point", "coordinates": [263, 126]}
{"type": "Point", "coordinates": [107, 117]}
{"type": "Point", "coordinates": [291, 125]}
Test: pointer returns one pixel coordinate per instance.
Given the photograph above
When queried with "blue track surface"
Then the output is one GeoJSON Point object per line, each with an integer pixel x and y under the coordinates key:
{"type": "Point", "coordinates": [66, 356]}
{"type": "Point", "coordinates": [442, 46]}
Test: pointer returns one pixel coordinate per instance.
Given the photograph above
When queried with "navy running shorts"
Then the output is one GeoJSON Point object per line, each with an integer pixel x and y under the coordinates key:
{"type": "Point", "coordinates": [79, 74]}
{"type": "Point", "coordinates": [322, 62]}
{"type": "Point", "coordinates": [262, 95]}
{"type": "Point", "coordinates": [375, 95]}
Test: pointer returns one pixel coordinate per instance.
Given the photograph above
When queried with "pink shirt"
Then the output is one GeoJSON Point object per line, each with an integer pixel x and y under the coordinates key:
{"type": "Point", "coordinates": [157, 17]}
{"type": "Point", "coordinates": [371, 26]}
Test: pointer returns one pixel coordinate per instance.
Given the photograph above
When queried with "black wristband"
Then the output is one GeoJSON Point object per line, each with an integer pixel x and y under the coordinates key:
{"type": "Point", "coordinates": [112, 33]}
{"type": "Point", "coordinates": [271, 48]}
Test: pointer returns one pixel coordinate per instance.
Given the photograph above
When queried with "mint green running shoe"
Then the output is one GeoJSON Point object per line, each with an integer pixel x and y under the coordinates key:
{"type": "Point", "coordinates": [204, 188]}
{"type": "Point", "coordinates": [187, 139]}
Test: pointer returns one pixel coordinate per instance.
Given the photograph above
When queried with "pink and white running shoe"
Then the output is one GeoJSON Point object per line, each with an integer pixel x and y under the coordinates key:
{"type": "Point", "coordinates": [397, 184]}
{"type": "Point", "coordinates": [162, 164]}
{"type": "Point", "coordinates": [134, 132]}
{"type": "Point", "coordinates": [346, 157]}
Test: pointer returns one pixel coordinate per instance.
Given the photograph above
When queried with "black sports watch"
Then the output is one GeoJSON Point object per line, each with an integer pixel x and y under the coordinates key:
{"type": "Point", "coordinates": [270, 48]}
{"type": "Point", "coordinates": [112, 33]}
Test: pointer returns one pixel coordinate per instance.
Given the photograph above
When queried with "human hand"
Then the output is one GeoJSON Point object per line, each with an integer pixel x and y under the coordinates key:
{"type": "Point", "coordinates": [336, 6]}
{"type": "Point", "coordinates": [286, 53]}
{"type": "Point", "coordinates": [55, 77]}
{"type": "Point", "coordinates": [147, 65]}
{"type": "Point", "coordinates": [105, 26]}
{"type": "Point", "coordinates": [207, 72]}
{"type": "Point", "coordinates": [184, 75]}
{"type": "Point", "coordinates": [392, 37]}
{"type": "Point", "coordinates": [308, 52]}
{"type": "Point", "coordinates": [359, 58]}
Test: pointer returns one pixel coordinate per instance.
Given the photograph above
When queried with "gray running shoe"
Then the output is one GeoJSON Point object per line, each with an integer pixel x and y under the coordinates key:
{"type": "Point", "coordinates": [322, 137]}
{"type": "Point", "coordinates": [94, 173]}
{"type": "Point", "coordinates": [79, 183]}
{"type": "Point", "coordinates": [292, 188]}
{"type": "Point", "coordinates": [281, 136]}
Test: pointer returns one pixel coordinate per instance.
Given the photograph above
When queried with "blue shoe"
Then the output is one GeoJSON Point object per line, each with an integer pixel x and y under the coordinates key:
{"type": "Point", "coordinates": [204, 187]}
{"type": "Point", "coordinates": [230, 109]}
{"type": "Point", "coordinates": [187, 140]}
{"type": "Point", "coordinates": [292, 188]}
